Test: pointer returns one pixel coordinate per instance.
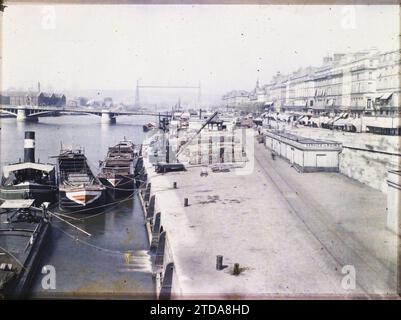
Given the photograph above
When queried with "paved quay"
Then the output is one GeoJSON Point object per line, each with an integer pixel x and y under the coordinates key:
{"type": "Point", "coordinates": [291, 233]}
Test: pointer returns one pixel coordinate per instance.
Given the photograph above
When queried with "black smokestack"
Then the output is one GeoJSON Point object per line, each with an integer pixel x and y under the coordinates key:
{"type": "Point", "coordinates": [29, 146]}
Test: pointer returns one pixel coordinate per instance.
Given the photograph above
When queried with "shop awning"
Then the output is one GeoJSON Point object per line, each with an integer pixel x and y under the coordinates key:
{"type": "Point", "coordinates": [269, 103]}
{"type": "Point", "coordinates": [299, 103]}
{"type": "Point", "coordinates": [324, 120]}
{"type": "Point", "coordinates": [356, 122]}
{"type": "Point", "coordinates": [330, 121]}
{"type": "Point", "coordinates": [340, 123]}
{"type": "Point", "coordinates": [386, 96]}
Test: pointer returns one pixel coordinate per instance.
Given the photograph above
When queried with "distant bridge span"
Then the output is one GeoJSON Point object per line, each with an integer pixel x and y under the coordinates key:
{"type": "Point", "coordinates": [32, 113]}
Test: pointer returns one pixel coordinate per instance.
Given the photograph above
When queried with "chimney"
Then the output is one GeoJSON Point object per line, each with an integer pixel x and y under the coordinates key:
{"type": "Point", "coordinates": [38, 87]}
{"type": "Point", "coordinates": [29, 146]}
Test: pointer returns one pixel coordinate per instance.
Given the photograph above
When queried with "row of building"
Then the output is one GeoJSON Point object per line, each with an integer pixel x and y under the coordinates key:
{"type": "Point", "coordinates": [37, 98]}
{"type": "Point", "coordinates": [365, 82]}
{"type": "Point", "coordinates": [31, 98]}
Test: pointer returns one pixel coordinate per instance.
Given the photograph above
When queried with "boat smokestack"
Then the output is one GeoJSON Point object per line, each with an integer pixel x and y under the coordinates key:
{"type": "Point", "coordinates": [29, 146]}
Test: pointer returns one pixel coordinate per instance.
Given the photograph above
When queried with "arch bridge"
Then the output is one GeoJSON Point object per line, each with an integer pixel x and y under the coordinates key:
{"type": "Point", "coordinates": [32, 113]}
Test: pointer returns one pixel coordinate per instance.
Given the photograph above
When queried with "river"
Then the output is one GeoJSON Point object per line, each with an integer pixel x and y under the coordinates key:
{"type": "Point", "coordinates": [111, 263]}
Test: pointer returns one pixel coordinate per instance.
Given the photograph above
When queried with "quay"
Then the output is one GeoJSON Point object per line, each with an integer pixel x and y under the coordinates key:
{"type": "Point", "coordinates": [273, 232]}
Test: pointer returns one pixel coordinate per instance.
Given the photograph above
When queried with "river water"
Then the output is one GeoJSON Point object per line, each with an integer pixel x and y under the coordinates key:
{"type": "Point", "coordinates": [113, 262]}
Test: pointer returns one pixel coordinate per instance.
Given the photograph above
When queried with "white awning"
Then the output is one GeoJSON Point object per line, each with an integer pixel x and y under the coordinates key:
{"type": "Point", "coordinates": [17, 204]}
{"type": "Point", "coordinates": [284, 117]}
{"type": "Point", "coordinates": [386, 96]}
{"type": "Point", "coordinates": [340, 123]}
{"type": "Point", "coordinates": [330, 121]}
{"type": "Point", "coordinates": [299, 103]}
{"type": "Point", "coordinates": [356, 122]}
{"type": "Point", "coordinates": [268, 103]}
{"type": "Point", "coordinates": [27, 165]}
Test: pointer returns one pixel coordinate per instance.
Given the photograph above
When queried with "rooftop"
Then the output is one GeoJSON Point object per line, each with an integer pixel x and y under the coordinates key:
{"type": "Point", "coordinates": [300, 139]}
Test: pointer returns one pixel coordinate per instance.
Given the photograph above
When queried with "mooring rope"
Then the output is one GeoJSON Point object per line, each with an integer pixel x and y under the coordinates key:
{"type": "Point", "coordinates": [116, 252]}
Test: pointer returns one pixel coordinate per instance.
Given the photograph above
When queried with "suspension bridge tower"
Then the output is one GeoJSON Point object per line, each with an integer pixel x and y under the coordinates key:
{"type": "Point", "coordinates": [136, 104]}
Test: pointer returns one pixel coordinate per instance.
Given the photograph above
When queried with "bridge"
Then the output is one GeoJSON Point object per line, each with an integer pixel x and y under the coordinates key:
{"type": "Point", "coordinates": [32, 113]}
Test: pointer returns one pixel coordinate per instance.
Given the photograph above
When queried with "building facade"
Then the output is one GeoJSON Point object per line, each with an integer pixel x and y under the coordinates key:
{"type": "Point", "coordinates": [300, 90]}
{"type": "Point", "coordinates": [23, 98]}
{"type": "Point", "coordinates": [236, 98]}
{"type": "Point", "coordinates": [27, 98]}
{"type": "Point", "coordinates": [387, 101]}
{"type": "Point", "coordinates": [4, 100]}
{"type": "Point", "coordinates": [365, 82]}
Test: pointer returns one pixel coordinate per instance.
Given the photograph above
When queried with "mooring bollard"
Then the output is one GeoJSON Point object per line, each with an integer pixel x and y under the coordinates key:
{"type": "Point", "coordinates": [175, 185]}
{"type": "Point", "coordinates": [219, 262]}
{"type": "Point", "coordinates": [186, 202]}
{"type": "Point", "coordinates": [236, 270]}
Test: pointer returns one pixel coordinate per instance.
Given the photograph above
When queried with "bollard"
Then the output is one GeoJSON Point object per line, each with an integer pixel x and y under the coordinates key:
{"type": "Point", "coordinates": [175, 185]}
{"type": "Point", "coordinates": [186, 202]}
{"type": "Point", "coordinates": [219, 262]}
{"type": "Point", "coordinates": [236, 270]}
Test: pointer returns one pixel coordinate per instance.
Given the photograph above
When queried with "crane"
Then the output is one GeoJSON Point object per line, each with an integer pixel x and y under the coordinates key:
{"type": "Point", "coordinates": [196, 133]}
{"type": "Point", "coordinates": [163, 167]}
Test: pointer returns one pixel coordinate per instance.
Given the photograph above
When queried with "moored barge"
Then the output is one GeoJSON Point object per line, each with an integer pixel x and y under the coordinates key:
{"type": "Point", "coordinates": [149, 126]}
{"type": "Point", "coordinates": [23, 233]}
{"type": "Point", "coordinates": [79, 189]}
{"type": "Point", "coordinates": [118, 170]}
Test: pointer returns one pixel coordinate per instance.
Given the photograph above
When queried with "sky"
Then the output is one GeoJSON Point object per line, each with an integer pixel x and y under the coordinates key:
{"type": "Point", "coordinates": [225, 47]}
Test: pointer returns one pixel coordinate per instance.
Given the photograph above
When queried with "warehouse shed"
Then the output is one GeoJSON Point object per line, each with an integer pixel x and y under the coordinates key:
{"type": "Point", "coordinates": [307, 155]}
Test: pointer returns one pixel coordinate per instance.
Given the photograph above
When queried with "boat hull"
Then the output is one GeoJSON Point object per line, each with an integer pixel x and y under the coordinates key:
{"type": "Point", "coordinates": [41, 193]}
{"type": "Point", "coordinates": [118, 186]}
{"type": "Point", "coordinates": [82, 200]}
{"type": "Point", "coordinates": [16, 283]}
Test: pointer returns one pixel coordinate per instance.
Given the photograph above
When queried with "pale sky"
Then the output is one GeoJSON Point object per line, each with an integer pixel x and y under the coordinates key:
{"type": "Point", "coordinates": [225, 47]}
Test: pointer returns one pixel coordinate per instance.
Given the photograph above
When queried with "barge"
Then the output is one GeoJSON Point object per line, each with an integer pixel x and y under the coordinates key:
{"type": "Point", "coordinates": [149, 126]}
{"type": "Point", "coordinates": [117, 172]}
{"type": "Point", "coordinates": [23, 233]}
{"type": "Point", "coordinates": [79, 189]}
